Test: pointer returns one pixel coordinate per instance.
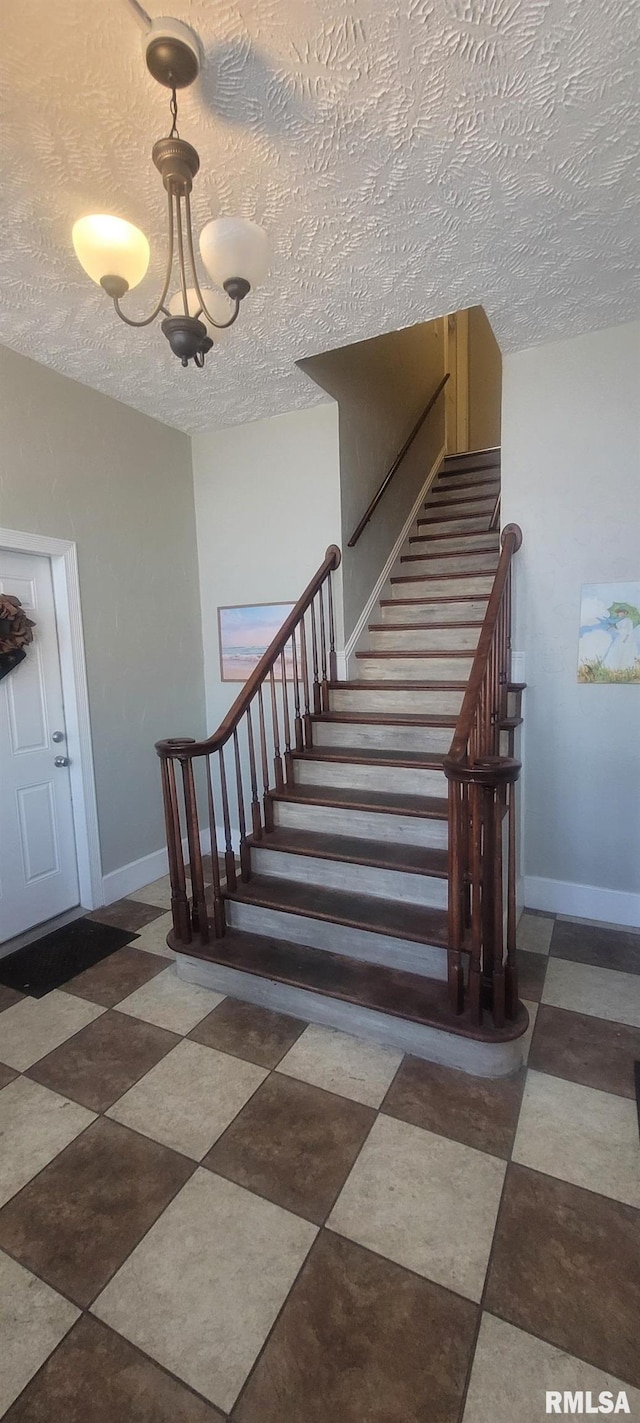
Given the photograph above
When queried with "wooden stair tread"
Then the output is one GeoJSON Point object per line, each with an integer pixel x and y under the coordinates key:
{"type": "Point", "coordinates": [350, 798]}
{"type": "Point", "coordinates": [466, 498]}
{"type": "Point", "coordinates": [386, 718]}
{"type": "Point", "coordinates": [380, 989]}
{"type": "Point", "coordinates": [382, 854]}
{"type": "Point", "coordinates": [411, 652]}
{"type": "Point", "coordinates": [443, 598]}
{"type": "Point", "coordinates": [452, 534]}
{"type": "Point", "coordinates": [459, 518]}
{"type": "Point", "coordinates": [457, 479]}
{"type": "Point", "coordinates": [440, 577]}
{"type": "Point", "coordinates": [371, 756]}
{"type": "Point", "coordinates": [421, 627]}
{"type": "Point", "coordinates": [454, 553]}
{"type": "Point", "coordinates": [417, 922]}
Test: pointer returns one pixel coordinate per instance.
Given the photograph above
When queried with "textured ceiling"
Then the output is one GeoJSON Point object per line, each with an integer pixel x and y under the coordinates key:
{"type": "Point", "coordinates": [408, 159]}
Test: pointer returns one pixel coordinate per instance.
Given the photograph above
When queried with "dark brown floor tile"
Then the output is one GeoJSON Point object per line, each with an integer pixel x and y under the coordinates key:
{"type": "Point", "coordinates": [100, 1063]}
{"type": "Point", "coordinates": [127, 914]}
{"type": "Point", "coordinates": [8, 996]}
{"type": "Point", "coordinates": [473, 1110]}
{"type": "Point", "coordinates": [77, 1221]}
{"type": "Point", "coordinates": [532, 969]}
{"type": "Point", "coordinates": [95, 1376]}
{"type": "Point", "coordinates": [294, 1144]}
{"type": "Point", "coordinates": [7, 1075]}
{"type": "Point", "coordinates": [566, 1266]}
{"type": "Point", "coordinates": [602, 948]}
{"type": "Point", "coordinates": [360, 1340]}
{"type": "Point", "coordinates": [585, 1049]}
{"type": "Point", "coordinates": [113, 979]}
{"type": "Point", "coordinates": [255, 1034]}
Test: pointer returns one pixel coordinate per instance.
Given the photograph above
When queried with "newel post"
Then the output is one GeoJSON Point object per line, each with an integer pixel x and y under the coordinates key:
{"type": "Point", "coordinates": [477, 878]}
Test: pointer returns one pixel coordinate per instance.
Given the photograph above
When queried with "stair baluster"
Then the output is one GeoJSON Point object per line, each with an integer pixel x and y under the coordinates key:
{"type": "Point", "coordinates": [317, 698]}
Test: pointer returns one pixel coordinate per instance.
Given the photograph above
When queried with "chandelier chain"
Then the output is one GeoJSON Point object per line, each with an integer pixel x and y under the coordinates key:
{"type": "Point", "coordinates": [173, 107]}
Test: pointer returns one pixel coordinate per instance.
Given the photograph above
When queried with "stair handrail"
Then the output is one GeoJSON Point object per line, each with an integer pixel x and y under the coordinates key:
{"type": "Point", "coordinates": [308, 635]}
{"type": "Point", "coordinates": [481, 792]}
{"type": "Point", "coordinates": [382, 488]}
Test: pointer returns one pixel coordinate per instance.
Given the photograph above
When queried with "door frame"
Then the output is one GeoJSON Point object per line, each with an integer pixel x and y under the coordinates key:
{"type": "Point", "coordinates": [63, 557]}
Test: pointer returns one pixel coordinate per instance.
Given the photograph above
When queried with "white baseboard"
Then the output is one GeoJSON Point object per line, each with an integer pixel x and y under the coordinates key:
{"type": "Point", "coordinates": [582, 901]}
{"type": "Point", "coordinates": [128, 878]}
{"type": "Point", "coordinates": [363, 620]}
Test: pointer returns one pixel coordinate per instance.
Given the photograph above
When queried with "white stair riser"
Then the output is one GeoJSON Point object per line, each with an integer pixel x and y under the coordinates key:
{"type": "Point", "coordinates": [462, 507]}
{"type": "Point", "coordinates": [462, 563]}
{"type": "Point", "coordinates": [419, 639]}
{"type": "Point", "coordinates": [470, 612]}
{"type": "Point", "coordinates": [469, 525]}
{"type": "Point", "coordinates": [403, 699]}
{"type": "Point", "coordinates": [366, 736]}
{"type": "Point", "coordinates": [427, 959]}
{"type": "Point", "coordinates": [405, 669]}
{"type": "Point", "coordinates": [404, 780]}
{"type": "Point", "coordinates": [474, 584]}
{"type": "Point", "coordinates": [459, 544]}
{"type": "Point", "coordinates": [363, 824]}
{"type": "Point", "coordinates": [407, 888]}
{"type": "Point", "coordinates": [447, 489]}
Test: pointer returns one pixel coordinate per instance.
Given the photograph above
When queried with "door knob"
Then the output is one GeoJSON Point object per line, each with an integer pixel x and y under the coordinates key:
{"type": "Point", "coordinates": [61, 761]}
{"type": "Point", "coordinates": [57, 736]}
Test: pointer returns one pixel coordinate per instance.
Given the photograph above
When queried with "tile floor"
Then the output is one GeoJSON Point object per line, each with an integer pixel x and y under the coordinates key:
{"type": "Point", "coordinates": [211, 1211]}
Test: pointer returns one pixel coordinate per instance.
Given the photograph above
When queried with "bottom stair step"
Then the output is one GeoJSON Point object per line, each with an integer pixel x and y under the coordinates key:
{"type": "Point", "coordinates": [387, 1005]}
{"type": "Point", "coordinates": [358, 911]}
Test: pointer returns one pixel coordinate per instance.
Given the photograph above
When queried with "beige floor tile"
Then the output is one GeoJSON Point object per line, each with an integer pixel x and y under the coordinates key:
{"type": "Point", "coordinates": [343, 1064]}
{"type": "Point", "coordinates": [153, 938]}
{"type": "Point", "coordinates": [512, 1372]}
{"type": "Point", "coordinates": [534, 933]}
{"type": "Point", "coordinates": [36, 1026]}
{"type": "Point", "coordinates": [158, 893]}
{"type": "Point", "coordinates": [201, 1291]}
{"type": "Point", "coordinates": [581, 1135]}
{"type": "Point", "coordinates": [602, 992]}
{"type": "Point", "coordinates": [189, 1098]}
{"type": "Point", "coordinates": [33, 1320]}
{"type": "Point", "coordinates": [424, 1201]}
{"type": "Point", "coordinates": [35, 1124]}
{"type": "Point", "coordinates": [170, 1003]}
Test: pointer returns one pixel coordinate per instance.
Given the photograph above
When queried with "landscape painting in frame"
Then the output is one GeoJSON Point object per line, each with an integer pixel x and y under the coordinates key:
{"type": "Point", "coordinates": [609, 649]}
{"type": "Point", "coordinates": [245, 635]}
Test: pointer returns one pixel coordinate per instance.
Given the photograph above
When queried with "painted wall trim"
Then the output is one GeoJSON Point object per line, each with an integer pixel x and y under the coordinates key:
{"type": "Point", "coordinates": [583, 901]}
{"type": "Point", "coordinates": [128, 878]}
{"type": "Point", "coordinates": [66, 590]}
{"type": "Point", "coordinates": [363, 620]}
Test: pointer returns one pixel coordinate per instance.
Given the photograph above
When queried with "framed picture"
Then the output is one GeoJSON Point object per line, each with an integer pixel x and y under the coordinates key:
{"type": "Point", "coordinates": [245, 633]}
{"type": "Point", "coordinates": [609, 647]}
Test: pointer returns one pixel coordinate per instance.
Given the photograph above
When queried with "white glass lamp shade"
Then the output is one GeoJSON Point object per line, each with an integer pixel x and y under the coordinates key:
{"type": "Point", "coordinates": [234, 247]}
{"type": "Point", "coordinates": [218, 304]}
{"type": "Point", "coordinates": [110, 247]}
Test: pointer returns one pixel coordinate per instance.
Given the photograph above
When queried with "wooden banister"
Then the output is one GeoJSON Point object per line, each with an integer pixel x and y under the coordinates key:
{"type": "Point", "coordinates": [396, 463]}
{"type": "Point", "coordinates": [482, 784]}
{"type": "Point", "coordinates": [230, 783]}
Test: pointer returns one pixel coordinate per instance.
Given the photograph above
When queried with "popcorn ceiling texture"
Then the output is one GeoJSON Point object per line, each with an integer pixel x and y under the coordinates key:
{"type": "Point", "coordinates": [409, 157]}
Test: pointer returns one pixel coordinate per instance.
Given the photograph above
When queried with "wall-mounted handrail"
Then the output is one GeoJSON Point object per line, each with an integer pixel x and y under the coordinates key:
{"type": "Point", "coordinates": [482, 784]}
{"type": "Point", "coordinates": [289, 685]}
{"type": "Point", "coordinates": [396, 463]}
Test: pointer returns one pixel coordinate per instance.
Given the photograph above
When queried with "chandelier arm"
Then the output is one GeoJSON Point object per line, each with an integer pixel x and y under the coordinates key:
{"type": "Point", "coordinates": [160, 304]}
{"type": "Point", "coordinates": [221, 325]}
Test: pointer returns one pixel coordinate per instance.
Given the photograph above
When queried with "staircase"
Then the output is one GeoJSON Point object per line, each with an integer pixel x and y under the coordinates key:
{"type": "Point", "coordinates": [339, 908]}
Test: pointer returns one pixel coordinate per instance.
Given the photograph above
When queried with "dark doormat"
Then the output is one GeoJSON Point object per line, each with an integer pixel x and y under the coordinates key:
{"type": "Point", "coordinates": [53, 960]}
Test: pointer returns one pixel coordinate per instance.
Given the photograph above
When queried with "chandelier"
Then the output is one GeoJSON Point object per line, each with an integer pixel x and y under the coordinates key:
{"type": "Point", "coordinates": [115, 254]}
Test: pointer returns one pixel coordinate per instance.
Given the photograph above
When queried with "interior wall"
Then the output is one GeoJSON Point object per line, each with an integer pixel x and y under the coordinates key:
{"type": "Point", "coordinates": [381, 387]}
{"type": "Point", "coordinates": [267, 505]}
{"type": "Point", "coordinates": [571, 479]}
{"type": "Point", "coordinates": [485, 382]}
{"type": "Point", "coordinates": [78, 465]}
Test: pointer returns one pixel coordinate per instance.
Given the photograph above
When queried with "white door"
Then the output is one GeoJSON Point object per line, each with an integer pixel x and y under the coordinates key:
{"type": "Point", "coordinates": [38, 868]}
